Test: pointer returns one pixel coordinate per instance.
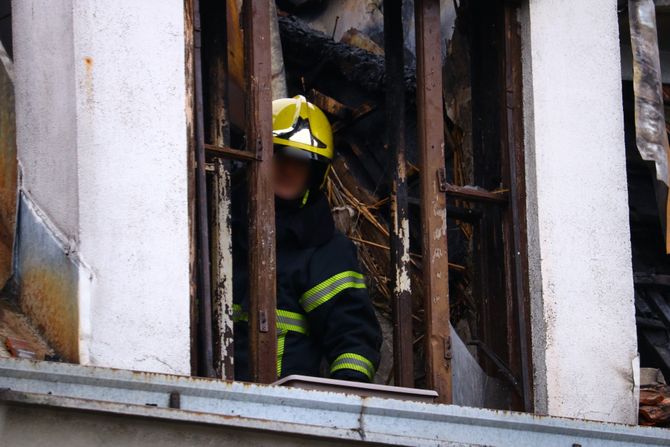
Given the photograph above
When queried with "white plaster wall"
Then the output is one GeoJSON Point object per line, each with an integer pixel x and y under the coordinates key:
{"type": "Point", "coordinates": [45, 106]}
{"type": "Point", "coordinates": [583, 316]}
{"type": "Point", "coordinates": [132, 173]}
{"type": "Point", "coordinates": [103, 144]}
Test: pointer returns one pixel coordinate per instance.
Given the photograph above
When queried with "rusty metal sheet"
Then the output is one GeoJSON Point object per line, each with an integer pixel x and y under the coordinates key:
{"type": "Point", "coordinates": [651, 135]}
{"type": "Point", "coordinates": [650, 129]}
{"type": "Point", "coordinates": [48, 282]}
{"type": "Point", "coordinates": [8, 169]}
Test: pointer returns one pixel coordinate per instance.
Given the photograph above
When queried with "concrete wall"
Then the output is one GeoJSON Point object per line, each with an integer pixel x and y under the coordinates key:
{"type": "Point", "coordinates": [583, 317]}
{"type": "Point", "coordinates": [45, 107]}
{"type": "Point", "coordinates": [103, 147]}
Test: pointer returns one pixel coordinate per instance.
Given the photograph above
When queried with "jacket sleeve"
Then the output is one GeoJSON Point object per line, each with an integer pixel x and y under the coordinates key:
{"type": "Point", "coordinates": [340, 312]}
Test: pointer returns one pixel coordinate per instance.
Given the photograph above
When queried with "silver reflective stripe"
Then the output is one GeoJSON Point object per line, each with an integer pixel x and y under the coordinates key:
{"type": "Point", "coordinates": [311, 302]}
{"type": "Point", "coordinates": [355, 362]}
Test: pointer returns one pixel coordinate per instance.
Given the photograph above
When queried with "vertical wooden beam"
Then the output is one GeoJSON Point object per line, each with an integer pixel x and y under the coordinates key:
{"type": "Point", "coordinates": [190, 131]}
{"type": "Point", "coordinates": [515, 179]}
{"type": "Point", "coordinates": [433, 202]}
{"type": "Point", "coordinates": [222, 272]}
{"type": "Point", "coordinates": [204, 279]}
{"type": "Point", "coordinates": [394, 48]}
{"type": "Point", "coordinates": [215, 51]}
{"type": "Point", "coordinates": [215, 48]}
{"type": "Point", "coordinates": [262, 273]}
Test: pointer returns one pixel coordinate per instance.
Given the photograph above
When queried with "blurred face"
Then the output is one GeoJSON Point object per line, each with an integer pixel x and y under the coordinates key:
{"type": "Point", "coordinates": [291, 176]}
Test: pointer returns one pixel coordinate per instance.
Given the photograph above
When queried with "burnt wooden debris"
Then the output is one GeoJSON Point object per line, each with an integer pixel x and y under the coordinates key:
{"type": "Point", "coordinates": [432, 198]}
{"type": "Point", "coordinates": [403, 359]}
{"type": "Point", "coordinates": [217, 147]}
{"type": "Point", "coordinates": [206, 353]}
{"type": "Point", "coordinates": [485, 235]}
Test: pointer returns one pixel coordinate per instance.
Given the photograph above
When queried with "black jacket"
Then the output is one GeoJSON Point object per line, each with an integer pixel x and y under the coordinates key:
{"type": "Point", "coordinates": [323, 308]}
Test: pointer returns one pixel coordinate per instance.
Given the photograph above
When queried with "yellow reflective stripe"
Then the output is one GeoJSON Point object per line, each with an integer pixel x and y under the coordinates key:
{"type": "Point", "coordinates": [281, 341]}
{"type": "Point", "coordinates": [291, 321]}
{"type": "Point", "coordinates": [329, 288]}
{"type": "Point", "coordinates": [286, 320]}
{"type": "Point", "coordinates": [349, 360]}
{"type": "Point", "coordinates": [239, 314]}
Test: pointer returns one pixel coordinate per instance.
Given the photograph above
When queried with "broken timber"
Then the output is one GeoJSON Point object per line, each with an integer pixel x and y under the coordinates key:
{"type": "Point", "coordinates": [358, 66]}
{"type": "Point", "coordinates": [403, 364]}
{"type": "Point", "coordinates": [262, 260]}
{"type": "Point", "coordinates": [206, 354]}
{"type": "Point", "coordinates": [434, 206]}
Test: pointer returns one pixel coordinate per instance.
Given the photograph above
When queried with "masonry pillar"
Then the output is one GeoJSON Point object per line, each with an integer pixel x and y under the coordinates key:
{"type": "Point", "coordinates": [103, 244]}
{"type": "Point", "coordinates": [583, 315]}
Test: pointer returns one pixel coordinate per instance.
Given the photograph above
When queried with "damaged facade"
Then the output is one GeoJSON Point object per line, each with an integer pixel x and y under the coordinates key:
{"type": "Point", "coordinates": [490, 171]}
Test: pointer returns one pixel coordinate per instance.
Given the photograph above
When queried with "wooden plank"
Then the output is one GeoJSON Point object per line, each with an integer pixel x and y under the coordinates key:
{"type": "Point", "coordinates": [215, 51]}
{"type": "Point", "coordinates": [222, 272]}
{"type": "Point", "coordinates": [225, 151]}
{"type": "Point", "coordinates": [515, 223]}
{"type": "Point", "coordinates": [430, 125]}
{"type": "Point", "coordinates": [206, 353]}
{"type": "Point", "coordinates": [474, 194]}
{"type": "Point", "coordinates": [262, 256]}
{"type": "Point", "coordinates": [190, 132]}
{"type": "Point", "coordinates": [403, 353]}
{"type": "Point", "coordinates": [660, 305]}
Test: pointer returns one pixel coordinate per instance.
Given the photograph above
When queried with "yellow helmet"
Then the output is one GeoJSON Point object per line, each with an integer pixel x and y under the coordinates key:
{"type": "Point", "coordinates": [298, 124]}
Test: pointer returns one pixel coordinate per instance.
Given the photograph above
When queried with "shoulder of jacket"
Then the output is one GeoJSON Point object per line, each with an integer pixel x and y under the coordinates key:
{"type": "Point", "coordinates": [337, 245]}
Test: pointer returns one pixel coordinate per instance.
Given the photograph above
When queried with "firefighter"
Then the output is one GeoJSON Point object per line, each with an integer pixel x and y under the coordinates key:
{"type": "Point", "coordinates": [324, 313]}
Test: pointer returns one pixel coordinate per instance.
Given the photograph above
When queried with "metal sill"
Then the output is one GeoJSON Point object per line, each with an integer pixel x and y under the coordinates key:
{"type": "Point", "coordinates": [292, 411]}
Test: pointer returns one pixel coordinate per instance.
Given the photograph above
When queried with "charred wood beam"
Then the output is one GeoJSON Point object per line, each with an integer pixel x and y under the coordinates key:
{"type": "Point", "coordinates": [474, 194]}
{"type": "Point", "coordinates": [206, 354]}
{"type": "Point", "coordinates": [658, 303]}
{"type": "Point", "coordinates": [357, 65]}
{"type": "Point", "coordinates": [430, 130]}
{"type": "Point", "coordinates": [330, 105]}
{"type": "Point", "coordinates": [652, 279]}
{"type": "Point", "coordinates": [515, 223]}
{"type": "Point", "coordinates": [229, 152]}
{"type": "Point", "coordinates": [262, 259]}
{"type": "Point", "coordinates": [215, 54]}
{"type": "Point", "coordinates": [403, 355]}
{"type": "Point", "coordinates": [222, 272]}
{"type": "Point", "coordinates": [190, 131]}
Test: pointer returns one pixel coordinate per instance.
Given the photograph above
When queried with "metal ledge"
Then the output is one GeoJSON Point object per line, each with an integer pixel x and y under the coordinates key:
{"type": "Point", "coordinates": [317, 414]}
